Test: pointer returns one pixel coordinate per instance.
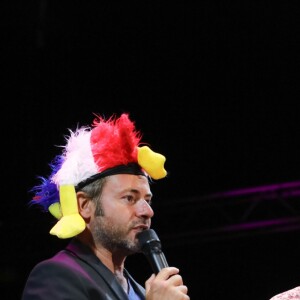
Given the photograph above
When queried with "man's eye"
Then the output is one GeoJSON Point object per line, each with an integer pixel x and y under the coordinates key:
{"type": "Point", "coordinates": [129, 198]}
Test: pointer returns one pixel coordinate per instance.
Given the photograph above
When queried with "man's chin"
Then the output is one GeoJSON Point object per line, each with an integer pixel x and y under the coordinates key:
{"type": "Point", "coordinates": [132, 248]}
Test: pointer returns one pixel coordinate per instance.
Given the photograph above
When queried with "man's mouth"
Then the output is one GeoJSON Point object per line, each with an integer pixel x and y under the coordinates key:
{"type": "Point", "coordinates": [141, 227]}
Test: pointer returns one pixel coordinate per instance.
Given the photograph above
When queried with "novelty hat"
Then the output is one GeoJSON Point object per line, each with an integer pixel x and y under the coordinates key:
{"type": "Point", "coordinates": [107, 147]}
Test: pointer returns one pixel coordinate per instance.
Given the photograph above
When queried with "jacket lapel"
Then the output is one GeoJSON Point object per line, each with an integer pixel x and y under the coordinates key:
{"type": "Point", "coordinates": [85, 254]}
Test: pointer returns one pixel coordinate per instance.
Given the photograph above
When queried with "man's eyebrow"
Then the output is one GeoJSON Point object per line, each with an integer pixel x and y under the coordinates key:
{"type": "Point", "coordinates": [135, 191]}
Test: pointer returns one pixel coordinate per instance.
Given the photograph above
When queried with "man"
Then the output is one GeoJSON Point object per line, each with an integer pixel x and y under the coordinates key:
{"type": "Point", "coordinates": [100, 193]}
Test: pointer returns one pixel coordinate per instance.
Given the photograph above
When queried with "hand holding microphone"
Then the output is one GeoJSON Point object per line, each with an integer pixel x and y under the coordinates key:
{"type": "Point", "coordinates": [168, 284]}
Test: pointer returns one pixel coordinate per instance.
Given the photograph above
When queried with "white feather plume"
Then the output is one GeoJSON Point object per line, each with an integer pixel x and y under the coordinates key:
{"type": "Point", "coordinates": [79, 162]}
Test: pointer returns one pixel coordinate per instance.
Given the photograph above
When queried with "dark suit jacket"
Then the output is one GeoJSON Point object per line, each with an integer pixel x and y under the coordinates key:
{"type": "Point", "coordinates": [75, 273]}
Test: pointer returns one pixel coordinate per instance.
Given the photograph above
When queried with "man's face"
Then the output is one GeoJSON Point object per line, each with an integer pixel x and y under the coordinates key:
{"type": "Point", "coordinates": [126, 210]}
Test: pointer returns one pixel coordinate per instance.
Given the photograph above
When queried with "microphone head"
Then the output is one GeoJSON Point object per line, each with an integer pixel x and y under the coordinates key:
{"type": "Point", "coordinates": [148, 240]}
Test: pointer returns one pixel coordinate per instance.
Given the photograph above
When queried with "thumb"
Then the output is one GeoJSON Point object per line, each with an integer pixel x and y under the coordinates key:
{"type": "Point", "coordinates": [148, 282]}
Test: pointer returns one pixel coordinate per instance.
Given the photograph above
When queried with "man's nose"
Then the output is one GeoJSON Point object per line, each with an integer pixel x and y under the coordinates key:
{"type": "Point", "coordinates": [144, 209]}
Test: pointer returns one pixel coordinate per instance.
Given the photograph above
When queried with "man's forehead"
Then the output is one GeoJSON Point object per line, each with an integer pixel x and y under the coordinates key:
{"type": "Point", "coordinates": [127, 179]}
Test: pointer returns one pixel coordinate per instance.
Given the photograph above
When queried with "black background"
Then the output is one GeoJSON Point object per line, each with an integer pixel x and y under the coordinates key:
{"type": "Point", "coordinates": [212, 85]}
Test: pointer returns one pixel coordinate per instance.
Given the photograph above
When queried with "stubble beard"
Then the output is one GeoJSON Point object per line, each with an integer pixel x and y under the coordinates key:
{"type": "Point", "coordinates": [113, 237]}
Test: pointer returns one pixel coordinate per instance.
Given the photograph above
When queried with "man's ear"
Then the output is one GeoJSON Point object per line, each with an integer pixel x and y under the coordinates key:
{"type": "Point", "coordinates": [85, 206]}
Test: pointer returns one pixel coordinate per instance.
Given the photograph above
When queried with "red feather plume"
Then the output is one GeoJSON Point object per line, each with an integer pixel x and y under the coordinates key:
{"type": "Point", "coordinates": [114, 141]}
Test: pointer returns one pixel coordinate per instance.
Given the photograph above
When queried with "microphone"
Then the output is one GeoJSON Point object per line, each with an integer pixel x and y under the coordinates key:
{"type": "Point", "coordinates": [151, 248]}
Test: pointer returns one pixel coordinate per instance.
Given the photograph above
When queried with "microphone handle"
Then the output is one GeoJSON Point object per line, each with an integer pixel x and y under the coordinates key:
{"type": "Point", "coordinates": [156, 259]}
{"type": "Point", "coordinates": [151, 248]}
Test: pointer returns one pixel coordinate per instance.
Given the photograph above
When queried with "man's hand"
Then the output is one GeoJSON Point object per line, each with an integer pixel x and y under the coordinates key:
{"type": "Point", "coordinates": [166, 285]}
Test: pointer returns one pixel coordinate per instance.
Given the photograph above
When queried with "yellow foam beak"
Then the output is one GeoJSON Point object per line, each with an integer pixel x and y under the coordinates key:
{"type": "Point", "coordinates": [152, 162]}
{"type": "Point", "coordinates": [71, 223]}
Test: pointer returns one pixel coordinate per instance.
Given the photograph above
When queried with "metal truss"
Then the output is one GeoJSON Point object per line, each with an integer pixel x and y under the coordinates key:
{"type": "Point", "coordinates": [231, 214]}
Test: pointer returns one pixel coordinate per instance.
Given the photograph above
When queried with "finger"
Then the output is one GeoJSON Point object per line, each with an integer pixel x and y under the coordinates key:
{"type": "Point", "coordinates": [176, 280]}
{"type": "Point", "coordinates": [165, 273]}
{"type": "Point", "coordinates": [149, 282]}
{"type": "Point", "coordinates": [183, 289]}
